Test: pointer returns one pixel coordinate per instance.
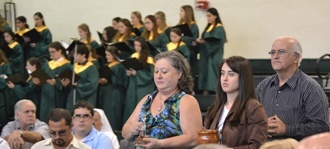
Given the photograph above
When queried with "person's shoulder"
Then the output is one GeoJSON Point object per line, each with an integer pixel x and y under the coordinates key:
{"type": "Point", "coordinates": [188, 100]}
{"type": "Point", "coordinates": [253, 103]}
{"type": "Point", "coordinates": [305, 79]}
{"type": "Point", "coordinates": [267, 80]}
{"type": "Point", "coordinates": [39, 123]}
{"type": "Point", "coordinates": [103, 138]}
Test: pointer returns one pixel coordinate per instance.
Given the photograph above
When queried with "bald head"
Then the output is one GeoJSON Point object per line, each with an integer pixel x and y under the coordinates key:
{"type": "Point", "coordinates": [318, 141]}
{"type": "Point", "coordinates": [292, 43]}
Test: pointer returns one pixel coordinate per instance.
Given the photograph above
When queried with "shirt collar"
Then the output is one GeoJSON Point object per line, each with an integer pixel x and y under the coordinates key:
{"type": "Point", "coordinates": [74, 142]}
{"type": "Point", "coordinates": [292, 81]}
{"type": "Point", "coordinates": [90, 136]}
{"type": "Point", "coordinates": [18, 126]}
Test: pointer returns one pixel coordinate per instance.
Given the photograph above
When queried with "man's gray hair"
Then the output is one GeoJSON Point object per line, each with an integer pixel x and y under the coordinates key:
{"type": "Point", "coordinates": [18, 105]}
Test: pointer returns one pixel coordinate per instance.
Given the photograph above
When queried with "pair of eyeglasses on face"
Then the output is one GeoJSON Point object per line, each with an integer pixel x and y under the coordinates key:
{"type": "Point", "coordinates": [84, 117]}
{"type": "Point", "coordinates": [280, 52]}
{"type": "Point", "coordinates": [59, 133]}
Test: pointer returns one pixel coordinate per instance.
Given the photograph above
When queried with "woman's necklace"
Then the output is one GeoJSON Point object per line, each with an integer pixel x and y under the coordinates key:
{"type": "Point", "coordinates": [160, 108]}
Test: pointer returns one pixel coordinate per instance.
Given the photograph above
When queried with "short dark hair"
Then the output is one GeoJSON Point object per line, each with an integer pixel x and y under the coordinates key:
{"type": "Point", "coordinates": [58, 114]}
{"type": "Point", "coordinates": [83, 49]}
{"type": "Point", "coordinates": [83, 104]}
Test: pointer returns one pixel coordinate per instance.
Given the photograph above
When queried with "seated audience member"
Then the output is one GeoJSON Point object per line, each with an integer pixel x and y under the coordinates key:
{"type": "Point", "coordinates": [26, 129]}
{"type": "Point", "coordinates": [171, 117]}
{"type": "Point", "coordinates": [319, 141]}
{"type": "Point", "coordinates": [236, 113]}
{"type": "Point", "coordinates": [280, 144]}
{"type": "Point", "coordinates": [84, 130]}
{"type": "Point", "coordinates": [296, 104]}
{"type": "Point", "coordinates": [4, 144]}
{"type": "Point", "coordinates": [102, 124]}
{"type": "Point", "coordinates": [60, 127]}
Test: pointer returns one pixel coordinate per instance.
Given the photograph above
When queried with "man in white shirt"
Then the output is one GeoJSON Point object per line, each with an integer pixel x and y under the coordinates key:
{"type": "Point", "coordinates": [60, 127]}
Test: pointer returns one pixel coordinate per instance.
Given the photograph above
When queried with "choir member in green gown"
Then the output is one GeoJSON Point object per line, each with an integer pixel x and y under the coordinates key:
{"type": "Point", "coordinates": [86, 87]}
{"type": "Point", "coordinates": [4, 26]}
{"type": "Point", "coordinates": [211, 51]}
{"type": "Point", "coordinates": [93, 57]}
{"type": "Point", "coordinates": [52, 93]}
{"type": "Point", "coordinates": [115, 22]}
{"type": "Point", "coordinates": [4, 72]}
{"type": "Point", "coordinates": [187, 16]}
{"type": "Point", "coordinates": [86, 36]}
{"type": "Point", "coordinates": [31, 91]}
{"type": "Point", "coordinates": [40, 48]}
{"type": "Point", "coordinates": [161, 23]}
{"type": "Point", "coordinates": [156, 39]}
{"type": "Point", "coordinates": [140, 82]}
{"type": "Point", "coordinates": [177, 44]}
{"type": "Point", "coordinates": [16, 61]}
{"type": "Point", "coordinates": [112, 89]}
{"type": "Point", "coordinates": [22, 27]}
{"type": "Point", "coordinates": [136, 19]}
{"type": "Point", "coordinates": [125, 34]}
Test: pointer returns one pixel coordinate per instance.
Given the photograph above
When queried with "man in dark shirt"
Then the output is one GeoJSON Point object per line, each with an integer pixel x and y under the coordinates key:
{"type": "Point", "coordinates": [295, 103]}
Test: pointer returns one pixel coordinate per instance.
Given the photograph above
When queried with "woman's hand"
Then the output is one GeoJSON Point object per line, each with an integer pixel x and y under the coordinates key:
{"type": "Point", "coordinates": [150, 143]}
{"type": "Point", "coordinates": [51, 82]}
{"type": "Point", "coordinates": [133, 72]}
{"type": "Point", "coordinates": [33, 45]}
{"type": "Point", "coordinates": [201, 41]}
{"type": "Point", "coordinates": [103, 81]}
{"type": "Point", "coordinates": [65, 82]}
{"type": "Point", "coordinates": [36, 81]}
{"type": "Point", "coordinates": [136, 128]}
{"type": "Point", "coordinates": [10, 84]}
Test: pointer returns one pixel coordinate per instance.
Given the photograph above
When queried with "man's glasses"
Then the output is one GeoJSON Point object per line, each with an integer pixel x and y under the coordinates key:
{"type": "Point", "coordinates": [280, 52]}
{"type": "Point", "coordinates": [59, 133]}
{"type": "Point", "coordinates": [84, 117]}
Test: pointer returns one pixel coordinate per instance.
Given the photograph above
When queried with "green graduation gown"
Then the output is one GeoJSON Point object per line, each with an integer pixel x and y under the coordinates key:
{"type": "Point", "coordinates": [41, 47]}
{"type": "Point", "coordinates": [86, 88]}
{"type": "Point", "coordinates": [16, 61]}
{"type": "Point", "coordinates": [111, 95]}
{"type": "Point", "coordinates": [53, 96]}
{"type": "Point", "coordinates": [5, 103]}
{"type": "Point", "coordinates": [183, 49]}
{"type": "Point", "coordinates": [31, 92]}
{"type": "Point", "coordinates": [211, 55]}
{"type": "Point", "coordinates": [138, 86]}
{"type": "Point", "coordinates": [159, 43]}
{"type": "Point", "coordinates": [193, 49]}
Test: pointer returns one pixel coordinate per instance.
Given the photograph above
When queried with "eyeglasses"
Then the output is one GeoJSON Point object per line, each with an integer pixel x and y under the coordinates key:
{"type": "Point", "coordinates": [59, 133]}
{"type": "Point", "coordinates": [84, 117]}
{"type": "Point", "coordinates": [280, 52]}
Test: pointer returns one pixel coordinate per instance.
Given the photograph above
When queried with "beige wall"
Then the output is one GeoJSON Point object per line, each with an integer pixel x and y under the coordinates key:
{"type": "Point", "coordinates": [251, 25]}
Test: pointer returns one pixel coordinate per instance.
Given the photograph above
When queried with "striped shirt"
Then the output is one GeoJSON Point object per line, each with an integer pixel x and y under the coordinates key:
{"type": "Point", "coordinates": [300, 103]}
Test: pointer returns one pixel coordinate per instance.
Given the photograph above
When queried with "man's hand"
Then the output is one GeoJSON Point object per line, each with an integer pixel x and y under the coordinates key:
{"type": "Point", "coordinates": [276, 127]}
{"type": "Point", "coordinates": [15, 140]}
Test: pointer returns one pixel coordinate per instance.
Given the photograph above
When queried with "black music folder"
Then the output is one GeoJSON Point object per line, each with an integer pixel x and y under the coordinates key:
{"type": "Point", "coordinates": [73, 45]}
{"type": "Point", "coordinates": [136, 31]}
{"type": "Point", "coordinates": [184, 29]}
{"type": "Point", "coordinates": [41, 75]}
{"type": "Point", "coordinates": [100, 36]}
{"type": "Point", "coordinates": [19, 39]}
{"type": "Point", "coordinates": [122, 46]}
{"type": "Point", "coordinates": [34, 36]}
{"type": "Point", "coordinates": [7, 51]}
{"type": "Point", "coordinates": [152, 48]}
{"type": "Point", "coordinates": [132, 63]}
{"type": "Point", "coordinates": [100, 50]}
{"type": "Point", "coordinates": [106, 72]}
{"type": "Point", "coordinates": [17, 79]}
{"type": "Point", "coordinates": [67, 74]}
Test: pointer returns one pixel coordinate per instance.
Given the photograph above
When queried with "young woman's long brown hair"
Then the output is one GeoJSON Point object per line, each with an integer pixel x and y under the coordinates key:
{"type": "Point", "coordinates": [246, 89]}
